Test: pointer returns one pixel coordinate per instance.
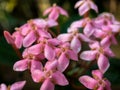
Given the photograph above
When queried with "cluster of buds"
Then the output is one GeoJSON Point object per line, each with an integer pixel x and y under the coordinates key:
{"type": "Point", "coordinates": [47, 57]}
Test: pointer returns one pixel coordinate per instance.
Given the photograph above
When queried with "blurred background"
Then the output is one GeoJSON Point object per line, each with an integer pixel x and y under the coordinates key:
{"type": "Point", "coordinates": [14, 13]}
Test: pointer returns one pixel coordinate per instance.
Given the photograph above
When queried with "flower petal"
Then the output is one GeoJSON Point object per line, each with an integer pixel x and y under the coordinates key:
{"type": "Point", "coordinates": [21, 65]}
{"type": "Point", "coordinates": [103, 63]}
{"type": "Point", "coordinates": [59, 79]}
{"type": "Point", "coordinates": [54, 14]}
{"type": "Point", "coordinates": [62, 11]}
{"type": "Point", "coordinates": [88, 82]}
{"type": "Point", "coordinates": [64, 37]}
{"type": "Point", "coordinates": [3, 87]}
{"type": "Point", "coordinates": [47, 11]}
{"type": "Point", "coordinates": [8, 37]}
{"type": "Point", "coordinates": [75, 44]}
{"type": "Point", "coordinates": [29, 39]}
{"type": "Point", "coordinates": [18, 41]}
{"type": "Point", "coordinates": [18, 85]}
{"type": "Point", "coordinates": [83, 8]}
{"type": "Point", "coordinates": [97, 74]}
{"type": "Point", "coordinates": [73, 55]}
{"type": "Point", "coordinates": [63, 62]}
{"type": "Point", "coordinates": [88, 55]}
{"type": "Point", "coordinates": [47, 85]}
{"type": "Point", "coordinates": [49, 52]}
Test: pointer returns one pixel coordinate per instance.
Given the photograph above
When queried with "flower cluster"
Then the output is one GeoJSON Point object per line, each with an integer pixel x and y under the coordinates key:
{"type": "Point", "coordinates": [47, 57]}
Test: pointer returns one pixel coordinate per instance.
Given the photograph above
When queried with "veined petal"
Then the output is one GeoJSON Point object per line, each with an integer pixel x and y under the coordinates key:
{"type": "Point", "coordinates": [18, 85]}
{"type": "Point", "coordinates": [29, 39]}
{"type": "Point", "coordinates": [75, 44]}
{"type": "Point", "coordinates": [49, 52]}
{"type": "Point", "coordinates": [113, 40]}
{"type": "Point", "coordinates": [88, 55]}
{"type": "Point", "coordinates": [21, 65]}
{"type": "Point", "coordinates": [3, 87]}
{"type": "Point", "coordinates": [47, 85]}
{"type": "Point", "coordinates": [88, 82]}
{"type": "Point", "coordinates": [63, 62]}
{"type": "Point", "coordinates": [59, 78]}
{"type": "Point", "coordinates": [83, 8]}
{"type": "Point", "coordinates": [8, 37]}
{"type": "Point", "coordinates": [103, 63]}
{"type": "Point", "coordinates": [97, 74]}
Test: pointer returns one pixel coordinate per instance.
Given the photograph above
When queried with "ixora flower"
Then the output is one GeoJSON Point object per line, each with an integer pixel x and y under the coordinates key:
{"type": "Point", "coordinates": [28, 33]}
{"type": "Point", "coordinates": [16, 86]}
{"type": "Point", "coordinates": [49, 76]}
{"type": "Point", "coordinates": [85, 5]}
{"type": "Point", "coordinates": [97, 82]}
{"type": "Point", "coordinates": [54, 12]}
{"type": "Point", "coordinates": [100, 53]}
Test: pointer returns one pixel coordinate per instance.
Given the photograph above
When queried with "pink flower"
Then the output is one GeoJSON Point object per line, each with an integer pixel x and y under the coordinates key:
{"type": "Point", "coordinates": [16, 86]}
{"type": "Point", "coordinates": [54, 12]}
{"type": "Point", "coordinates": [101, 53]}
{"type": "Point", "coordinates": [85, 5]}
{"type": "Point", "coordinates": [64, 54]}
{"type": "Point", "coordinates": [97, 82]}
{"type": "Point", "coordinates": [49, 76]}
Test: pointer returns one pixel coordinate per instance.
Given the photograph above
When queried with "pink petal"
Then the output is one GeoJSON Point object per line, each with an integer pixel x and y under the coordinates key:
{"type": "Point", "coordinates": [51, 65]}
{"type": "Point", "coordinates": [54, 14]}
{"type": "Point", "coordinates": [47, 11]}
{"type": "Point", "coordinates": [105, 42]}
{"type": "Point", "coordinates": [63, 62]}
{"type": "Point", "coordinates": [88, 82]}
{"type": "Point", "coordinates": [98, 33]}
{"type": "Point", "coordinates": [47, 85]}
{"type": "Point", "coordinates": [21, 65]}
{"type": "Point", "coordinates": [54, 41]}
{"type": "Point", "coordinates": [83, 8]}
{"type": "Point", "coordinates": [8, 37]}
{"type": "Point", "coordinates": [73, 55]}
{"type": "Point", "coordinates": [75, 44]}
{"type": "Point", "coordinates": [59, 79]}
{"type": "Point", "coordinates": [85, 38]}
{"type": "Point", "coordinates": [36, 65]}
{"type": "Point", "coordinates": [29, 39]}
{"type": "Point", "coordinates": [108, 85]}
{"type": "Point", "coordinates": [100, 88]}
{"type": "Point", "coordinates": [79, 3]}
{"type": "Point", "coordinates": [52, 23]}
{"type": "Point", "coordinates": [64, 37]}
{"type": "Point", "coordinates": [35, 49]}
{"type": "Point", "coordinates": [49, 52]}
{"type": "Point", "coordinates": [37, 76]}
{"type": "Point", "coordinates": [97, 74]}
{"type": "Point", "coordinates": [18, 85]}
{"type": "Point", "coordinates": [109, 52]}
{"type": "Point", "coordinates": [88, 30]}
{"type": "Point", "coordinates": [3, 87]}
{"type": "Point", "coordinates": [62, 11]}
{"type": "Point", "coordinates": [25, 29]}
{"type": "Point", "coordinates": [93, 6]}
{"type": "Point", "coordinates": [18, 41]}
{"type": "Point", "coordinates": [88, 55]}
{"type": "Point", "coordinates": [103, 63]}
{"type": "Point", "coordinates": [94, 45]}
